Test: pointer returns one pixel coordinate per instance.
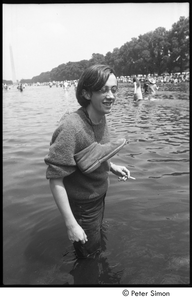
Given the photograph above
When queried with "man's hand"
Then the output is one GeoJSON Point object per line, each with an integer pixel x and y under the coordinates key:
{"type": "Point", "coordinates": [76, 234]}
{"type": "Point", "coordinates": [121, 171]}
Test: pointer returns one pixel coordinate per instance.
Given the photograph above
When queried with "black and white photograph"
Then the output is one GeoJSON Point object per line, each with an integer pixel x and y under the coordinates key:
{"type": "Point", "coordinates": [95, 101]}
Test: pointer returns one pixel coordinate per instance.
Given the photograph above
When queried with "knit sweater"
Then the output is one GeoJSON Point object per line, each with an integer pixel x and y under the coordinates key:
{"type": "Point", "coordinates": [75, 133]}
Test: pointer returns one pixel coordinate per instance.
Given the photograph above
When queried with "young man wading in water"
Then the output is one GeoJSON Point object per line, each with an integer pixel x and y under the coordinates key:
{"type": "Point", "coordinates": [78, 162]}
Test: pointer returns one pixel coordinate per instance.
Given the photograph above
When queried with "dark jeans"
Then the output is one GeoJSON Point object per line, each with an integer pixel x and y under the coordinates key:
{"type": "Point", "coordinates": [89, 216]}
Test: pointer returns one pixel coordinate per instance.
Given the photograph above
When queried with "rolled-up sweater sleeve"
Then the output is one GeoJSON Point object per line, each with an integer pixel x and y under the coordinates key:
{"type": "Point", "coordinates": [60, 158]}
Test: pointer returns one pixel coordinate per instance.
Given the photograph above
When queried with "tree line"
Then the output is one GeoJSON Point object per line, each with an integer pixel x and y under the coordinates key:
{"type": "Point", "coordinates": [156, 52]}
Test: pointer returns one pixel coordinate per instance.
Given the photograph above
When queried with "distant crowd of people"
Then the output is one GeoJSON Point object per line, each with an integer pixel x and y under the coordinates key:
{"type": "Point", "coordinates": [20, 86]}
{"type": "Point", "coordinates": [66, 84]}
{"type": "Point", "coordinates": [164, 78]}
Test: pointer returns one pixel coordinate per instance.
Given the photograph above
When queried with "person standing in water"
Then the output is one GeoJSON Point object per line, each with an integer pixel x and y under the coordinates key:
{"type": "Point", "coordinates": [78, 160]}
{"type": "Point", "coordinates": [150, 88]}
{"type": "Point", "coordinates": [137, 89]}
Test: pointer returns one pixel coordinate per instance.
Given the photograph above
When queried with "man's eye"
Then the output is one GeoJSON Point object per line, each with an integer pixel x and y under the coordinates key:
{"type": "Point", "coordinates": [113, 90]}
{"type": "Point", "coordinates": [105, 90]}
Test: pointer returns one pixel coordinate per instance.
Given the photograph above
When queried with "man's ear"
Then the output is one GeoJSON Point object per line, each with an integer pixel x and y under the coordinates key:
{"type": "Point", "coordinates": [86, 94]}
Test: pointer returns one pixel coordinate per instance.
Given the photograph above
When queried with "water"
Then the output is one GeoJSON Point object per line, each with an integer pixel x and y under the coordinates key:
{"type": "Point", "coordinates": [146, 225]}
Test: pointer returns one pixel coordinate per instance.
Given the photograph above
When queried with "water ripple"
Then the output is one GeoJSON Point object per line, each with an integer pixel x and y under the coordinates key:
{"type": "Point", "coordinates": [146, 220]}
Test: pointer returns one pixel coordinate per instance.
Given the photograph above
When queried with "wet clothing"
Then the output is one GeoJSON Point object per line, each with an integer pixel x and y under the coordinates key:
{"type": "Point", "coordinates": [86, 192]}
{"type": "Point", "coordinates": [89, 216]}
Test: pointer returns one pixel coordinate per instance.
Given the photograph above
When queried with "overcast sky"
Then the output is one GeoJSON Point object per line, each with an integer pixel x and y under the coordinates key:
{"type": "Point", "coordinates": [44, 36]}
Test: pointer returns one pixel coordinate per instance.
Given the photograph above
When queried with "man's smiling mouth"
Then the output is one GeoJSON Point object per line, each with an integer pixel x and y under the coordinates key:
{"type": "Point", "coordinates": [108, 103]}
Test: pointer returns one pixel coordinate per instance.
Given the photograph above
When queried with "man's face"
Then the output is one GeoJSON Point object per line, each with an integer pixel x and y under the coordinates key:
{"type": "Point", "coordinates": [103, 100]}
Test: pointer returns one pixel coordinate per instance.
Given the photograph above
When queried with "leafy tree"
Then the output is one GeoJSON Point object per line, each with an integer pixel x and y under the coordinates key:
{"type": "Point", "coordinates": [97, 59]}
{"type": "Point", "coordinates": [179, 41]}
{"type": "Point", "coordinates": [157, 51]}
